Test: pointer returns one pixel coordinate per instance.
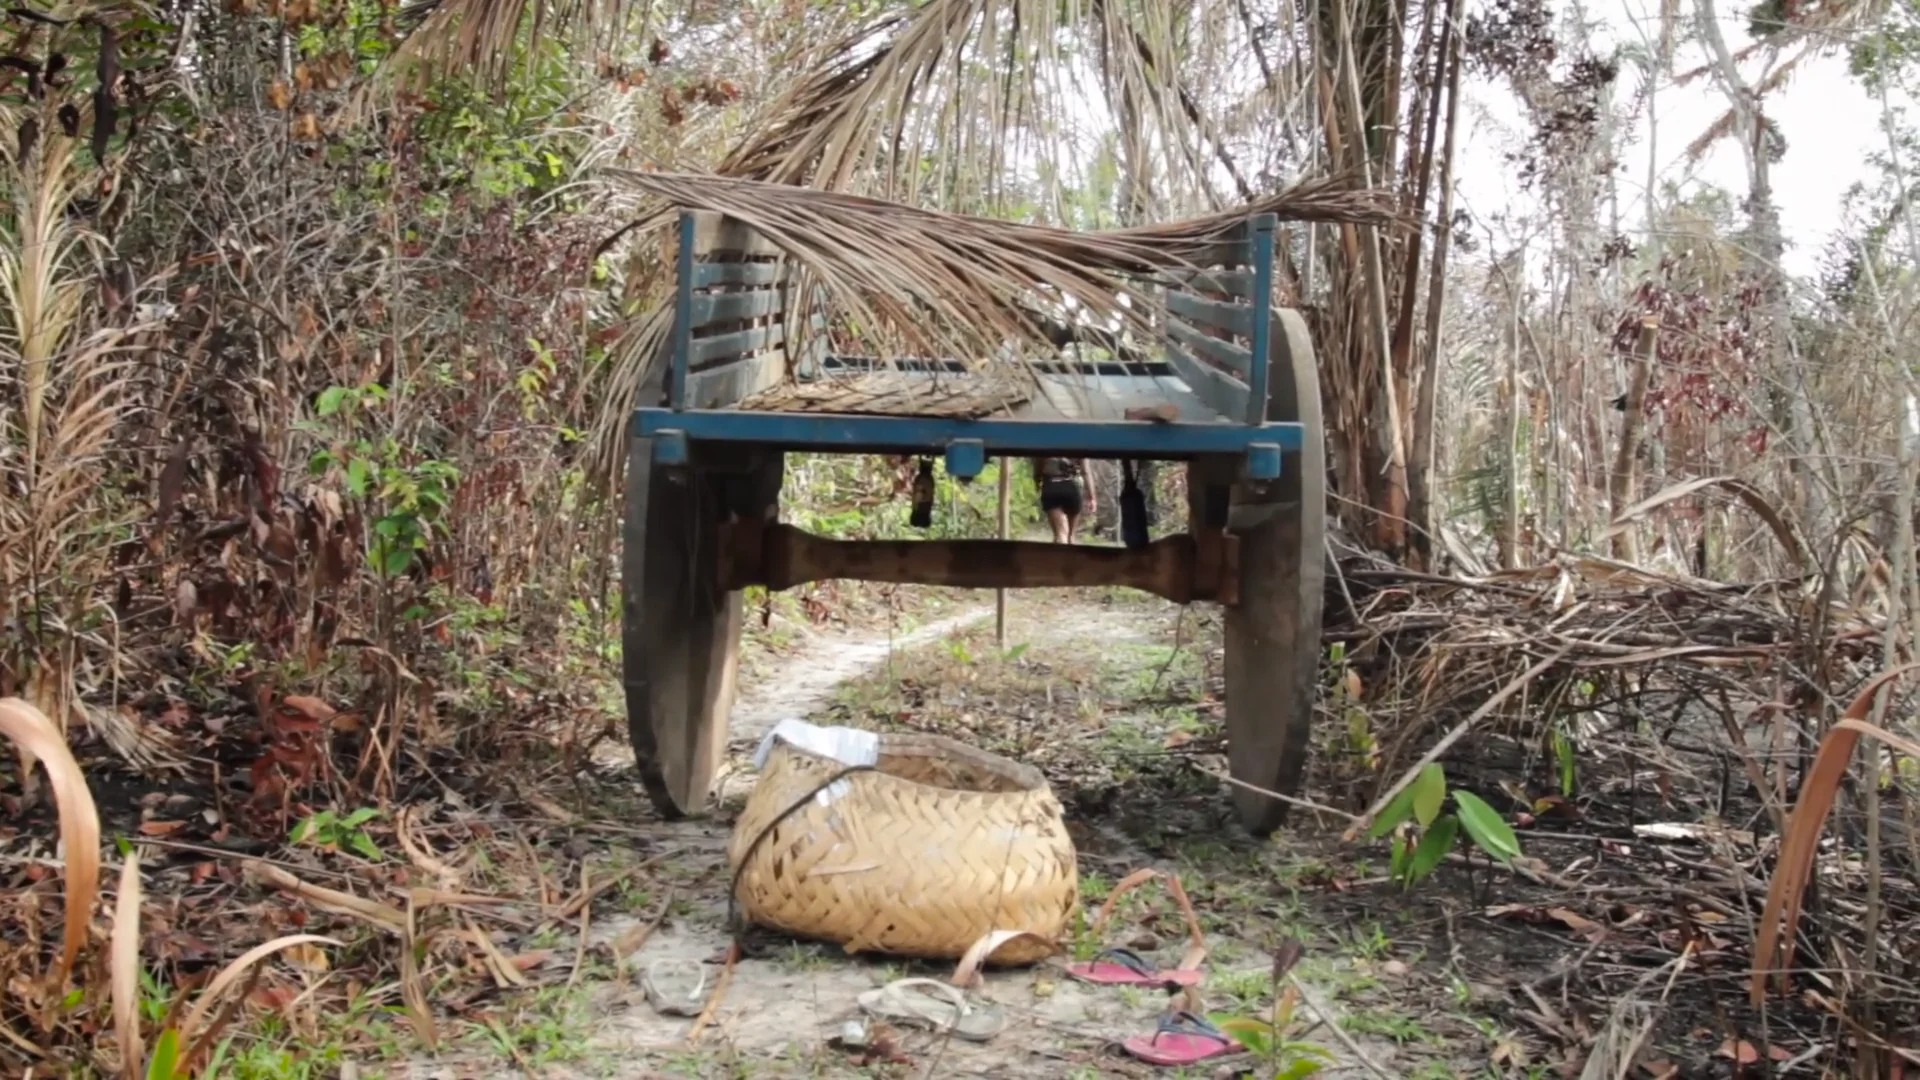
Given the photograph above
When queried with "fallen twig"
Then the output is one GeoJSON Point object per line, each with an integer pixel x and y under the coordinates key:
{"type": "Point", "coordinates": [1290, 800]}
{"type": "Point", "coordinates": [385, 916]}
{"type": "Point", "coordinates": [587, 896]}
{"type": "Point", "coordinates": [1339, 1033]}
{"type": "Point", "coordinates": [713, 1000]}
{"type": "Point", "coordinates": [629, 942]}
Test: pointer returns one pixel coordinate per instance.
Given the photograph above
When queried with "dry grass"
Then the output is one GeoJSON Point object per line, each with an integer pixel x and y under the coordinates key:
{"type": "Point", "coordinates": [70, 365]}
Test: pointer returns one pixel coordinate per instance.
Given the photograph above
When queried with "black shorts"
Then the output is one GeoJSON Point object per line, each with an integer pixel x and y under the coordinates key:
{"type": "Point", "coordinates": [1062, 495]}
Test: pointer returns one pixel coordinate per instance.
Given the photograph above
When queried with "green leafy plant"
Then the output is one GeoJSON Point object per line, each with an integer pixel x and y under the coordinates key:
{"type": "Point", "coordinates": [1274, 1039]}
{"type": "Point", "coordinates": [330, 829]}
{"type": "Point", "coordinates": [408, 498]}
{"type": "Point", "coordinates": [1423, 834]}
{"type": "Point", "coordinates": [1563, 756]}
{"type": "Point", "coordinates": [1344, 700]}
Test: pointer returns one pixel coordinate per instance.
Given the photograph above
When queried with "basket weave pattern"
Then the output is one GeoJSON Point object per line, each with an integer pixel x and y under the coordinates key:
{"type": "Point", "coordinates": [921, 856]}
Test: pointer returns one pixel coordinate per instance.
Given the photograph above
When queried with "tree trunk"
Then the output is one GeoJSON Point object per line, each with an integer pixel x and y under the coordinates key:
{"type": "Point", "coordinates": [1765, 249]}
{"type": "Point", "coordinates": [1369, 398]}
{"type": "Point", "coordinates": [1620, 484]}
{"type": "Point", "coordinates": [1420, 460]}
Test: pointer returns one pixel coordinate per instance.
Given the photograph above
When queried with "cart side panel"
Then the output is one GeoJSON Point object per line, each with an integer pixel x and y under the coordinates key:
{"type": "Point", "coordinates": [1217, 324]}
{"type": "Point", "coordinates": [732, 311]}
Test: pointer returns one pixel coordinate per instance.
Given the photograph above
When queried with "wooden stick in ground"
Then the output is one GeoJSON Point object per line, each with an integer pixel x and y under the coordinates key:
{"type": "Point", "coordinates": [1338, 1032]}
{"type": "Point", "coordinates": [586, 915]}
{"type": "Point", "coordinates": [1000, 594]}
{"type": "Point", "coordinates": [713, 1000]}
{"type": "Point", "coordinates": [1620, 483]}
{"type": "Point", "coordinates": [1449, 739]}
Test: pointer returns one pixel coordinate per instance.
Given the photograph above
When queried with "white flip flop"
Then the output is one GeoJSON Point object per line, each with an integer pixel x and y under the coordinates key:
{"type": "Point", "coordinates": [934, 1004]}
{"type": "Point", "coordinates": [668, 1003]}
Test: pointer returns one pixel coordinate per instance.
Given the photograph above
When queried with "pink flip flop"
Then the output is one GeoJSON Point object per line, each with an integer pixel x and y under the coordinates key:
{"type": "Point", "coordinates": [1182, 1038]}
{"type": "Point", "coordinates": [1126, 967]}
{"type": "Point", "coordinates": [1129, 968]}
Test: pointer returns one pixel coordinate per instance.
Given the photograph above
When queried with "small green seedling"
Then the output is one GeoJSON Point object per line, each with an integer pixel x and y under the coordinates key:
{"type": "Point", "coordinates": [1563, 755]}
{"type": "Point", "coordinates": [1419, 847]}
{"type": "Point", "coordinates": [328, 829]}
{"type": "Point", "coordinates": [1284, 1056]}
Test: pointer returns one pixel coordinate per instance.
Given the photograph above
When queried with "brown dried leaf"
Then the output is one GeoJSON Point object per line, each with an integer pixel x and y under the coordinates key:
{"type": "Point", "coordinates": [124, 965]}
{"type": "Point", "coordinates": [1577, 923]}
{"type": "Point", "coordinates": [278, 95]}
{"type": "Point", "coordinates": [312, 708]}
{"type": "Point", "coordinates": [272, 998]}
{"type": "Point", "coordinates": [307, 957]}
{"type": "Point", "coordinates": [1779, 919]}
{"type": "Point", "coordinates": [527, 961]}
{"type": "Point", "coordinates": [38, 739]}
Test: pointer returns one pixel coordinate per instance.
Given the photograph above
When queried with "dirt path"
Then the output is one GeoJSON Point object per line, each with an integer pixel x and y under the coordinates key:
{"type": "Point", "coordinates": [781, 1009]}
{"type": "Point", "coordinates": [1095, 688]}
{"type": "Point", "coordinates": [804, 682]}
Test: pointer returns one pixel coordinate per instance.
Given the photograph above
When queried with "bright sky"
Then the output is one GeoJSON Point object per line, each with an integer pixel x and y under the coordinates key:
{"type": "Point", "coordinates": [1829, 121]}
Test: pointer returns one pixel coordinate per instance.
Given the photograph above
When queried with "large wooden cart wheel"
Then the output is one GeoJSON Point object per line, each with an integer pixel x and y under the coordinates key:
{"type": "Point", "coordinates": [1273, 633]}
{"type": "Point", "coordinates": [680, 632]}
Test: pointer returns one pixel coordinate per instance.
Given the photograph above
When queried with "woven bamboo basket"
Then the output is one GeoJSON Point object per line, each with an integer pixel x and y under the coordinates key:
{"type": "Point", "coordinates": [922, 855]}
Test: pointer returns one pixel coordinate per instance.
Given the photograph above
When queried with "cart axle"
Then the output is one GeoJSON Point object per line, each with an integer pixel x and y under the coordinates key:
{"type": "Point", "coordinates": [1181, 568]}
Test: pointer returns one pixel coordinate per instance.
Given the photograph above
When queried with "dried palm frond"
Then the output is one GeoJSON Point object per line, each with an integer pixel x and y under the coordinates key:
{"type": "Point", "coordinates": [484, 35]}
{"type": "Point", "coordinates": [888, 261]}
{"type": "Point", "coordinates": [63, 391]}
{"type": "Point", "coordinates": [147, 747]}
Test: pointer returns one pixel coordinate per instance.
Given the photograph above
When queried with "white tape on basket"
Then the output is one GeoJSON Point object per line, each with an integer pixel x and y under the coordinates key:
{"type": "Point", "coordinates": [848, 746]}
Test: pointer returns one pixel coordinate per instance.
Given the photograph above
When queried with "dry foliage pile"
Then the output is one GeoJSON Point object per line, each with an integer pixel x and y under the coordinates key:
{"type": "Point", "coordinates": [463, 913]}
{"type": "Point", "coordinates": [1670, 746]}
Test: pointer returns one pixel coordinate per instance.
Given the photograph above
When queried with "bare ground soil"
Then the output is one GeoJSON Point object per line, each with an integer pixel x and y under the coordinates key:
{"type": "Point", "coordinates": [1110, 694]}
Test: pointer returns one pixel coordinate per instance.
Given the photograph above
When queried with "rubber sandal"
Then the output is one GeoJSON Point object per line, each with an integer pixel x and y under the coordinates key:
{"type": "Point", "coordinates": [940, 1006]}
{"type": "Point", "coordinates": [1128, 968]}
{"type": "Point", "coordinates": [1183, 1038]}
{"type": "Point", "coordinates": [666, 999]}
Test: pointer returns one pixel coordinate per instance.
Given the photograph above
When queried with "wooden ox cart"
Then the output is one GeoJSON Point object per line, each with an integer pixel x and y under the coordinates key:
{"type": "Point", "coordinates": [1234, 390]}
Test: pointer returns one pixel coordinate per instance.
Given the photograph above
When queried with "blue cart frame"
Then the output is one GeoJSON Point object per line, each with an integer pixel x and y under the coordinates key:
{"type": "Point", "coordinates": [1233, 393]}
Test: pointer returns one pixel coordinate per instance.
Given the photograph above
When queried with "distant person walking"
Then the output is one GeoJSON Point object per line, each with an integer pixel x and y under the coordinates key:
{"type": "Point", "coordinates": [1065, 490]}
